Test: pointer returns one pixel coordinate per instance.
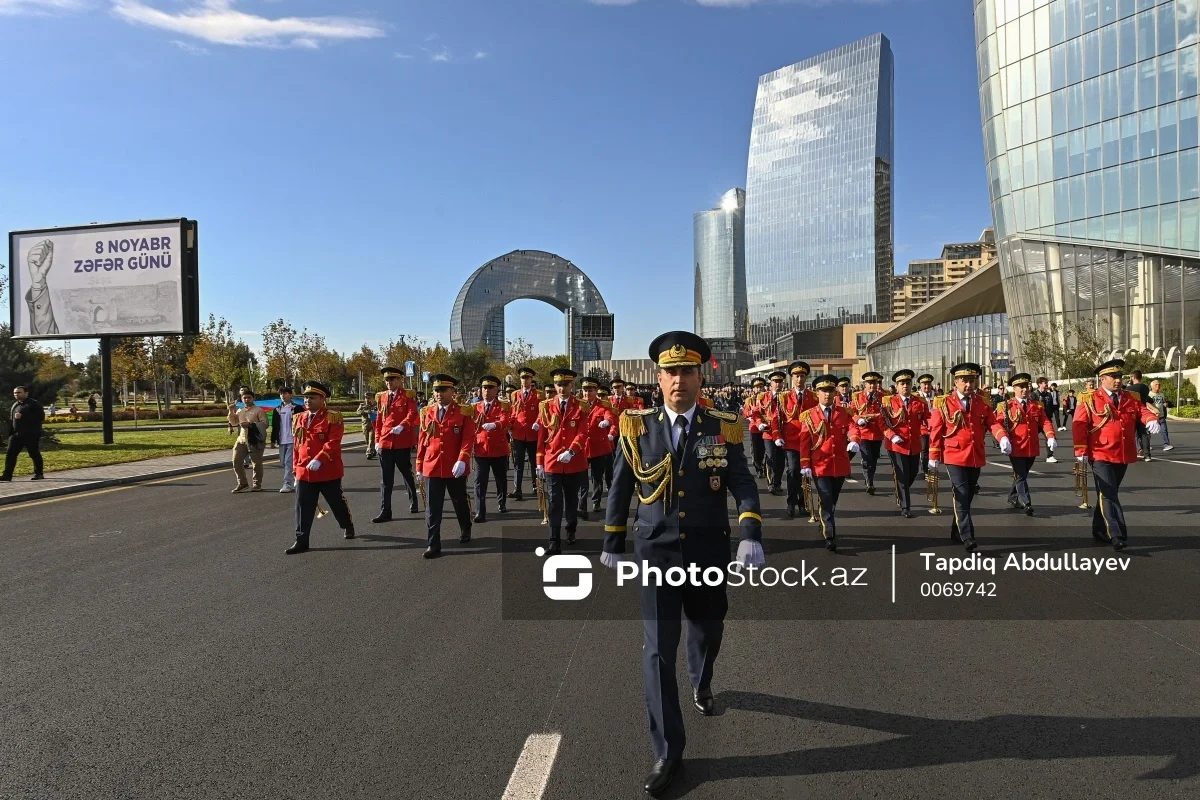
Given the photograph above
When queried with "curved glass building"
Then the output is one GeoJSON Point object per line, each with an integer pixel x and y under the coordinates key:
{"type": "Point", "coordinates": [719, 245]}
{"type": "Point", "coordinates": [819, 194]}
{"type": "Point", "coordinates": [1089, 111]}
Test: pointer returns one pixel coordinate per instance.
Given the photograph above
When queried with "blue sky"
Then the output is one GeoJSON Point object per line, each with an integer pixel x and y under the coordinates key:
{"type": "Point", "coordinates": [351, 162]}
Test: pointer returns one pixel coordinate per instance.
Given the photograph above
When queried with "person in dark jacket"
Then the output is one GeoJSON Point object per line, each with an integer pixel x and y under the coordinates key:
{"type": "Point", "coordinates": [26, 418]}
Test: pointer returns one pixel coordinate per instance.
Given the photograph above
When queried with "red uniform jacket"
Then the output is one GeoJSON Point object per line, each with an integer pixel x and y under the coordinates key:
{"type": "Point", "coordinates": [843, 400]}
{"type": "Point", "coordinates": [494, 443]}
{"type": "Point", "coordinates": [523, 413]}
{"type": "Point", "coordinates": [704, 402]}
{"type": "Point", "coordinates": [957, 438]}
{"type": "Point", "coordinates": [1023, 424]}
{"type": "Point", "coordinates": [1103, 432]}
{"type": "Point", "coordinates": [907, 423]}
{"type": "Point", "coordinates": [444, 443]}
{"type": "Point", "coordinates": [748, 413]}
{"type": "Point", "coordinates": [401, 411]}
{"type": "Point", "coordinates": [600, 440]}
{"type": "Point", "coordinates": [766, 412]}
{"type": "Point", "coordinates": [791, 406]}
{"type": "Point", "coordinates": [823, 446]}
{"type": "Point", "coordinates": [318, 435]}
{"type": "Point", "coordinates": [561, 432]}
{"type": "Point", "coordinates": [929, 405]}
{"type": "Point", "coordinates": [868, 408]}
{"type": "Point", "coordinates": [626, 402]}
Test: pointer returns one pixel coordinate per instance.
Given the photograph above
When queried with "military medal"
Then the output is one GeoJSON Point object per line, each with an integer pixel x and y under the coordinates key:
{"type": "Point", "coordinates": [714, 482]}
{"type": "Point", "coordinates": [701, 451]}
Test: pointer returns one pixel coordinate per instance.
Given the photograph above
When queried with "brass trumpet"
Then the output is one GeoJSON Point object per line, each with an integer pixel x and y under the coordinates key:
{"type": "Point", "coordinates": [543, 505]}
{"type": "Point", "coordinates": [321, 510]}
{"type": "Point", "coordinates": [421, 492]}
{"type": "Point", "coordinates": [807, 492]}
{"type": "Point", "coordinates": [1081, 488]}
{"type": "Point", "coordinates": [931, 491]}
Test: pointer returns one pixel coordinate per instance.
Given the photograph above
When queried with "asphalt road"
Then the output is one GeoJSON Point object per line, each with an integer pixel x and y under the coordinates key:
{"type": "Point", "coordinates": [155, 642]}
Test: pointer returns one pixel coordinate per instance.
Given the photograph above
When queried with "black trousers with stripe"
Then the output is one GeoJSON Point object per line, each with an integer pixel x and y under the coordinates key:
{"type": "Point", "coordinates": [828, 491]}
{"type": "Point", "coordinates": [307, 495]}
{"type": "Point", "coordinates": [1108, 519]}
{"type": "Point", "coordinates": [966, 485]}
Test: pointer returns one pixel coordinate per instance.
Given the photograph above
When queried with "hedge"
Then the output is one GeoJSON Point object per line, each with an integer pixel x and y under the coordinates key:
{"type": "Point", "coordinates": [1186, 412]}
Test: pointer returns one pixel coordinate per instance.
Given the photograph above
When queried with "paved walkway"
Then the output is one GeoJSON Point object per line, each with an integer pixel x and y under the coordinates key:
{"type": "Point", "coordinates": [69, 481]}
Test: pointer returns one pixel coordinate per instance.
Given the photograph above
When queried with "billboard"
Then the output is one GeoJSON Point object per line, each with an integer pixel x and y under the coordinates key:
{"type": "Point", "coordinates": [122, 279]}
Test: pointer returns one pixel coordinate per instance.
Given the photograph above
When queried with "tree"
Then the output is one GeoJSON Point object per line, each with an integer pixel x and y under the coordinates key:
{"type": "Point", "coordinates": [217, 358]}
{"type": "Point", "coordinates": [1043, 352]}
{"type": "Point", "coordinates": [317, 362]}
{"type": "Point", "coordinates": [600, 375]}
{"type": "Point", "coordinates": [1083, 348]}
{"type": "Point", "coordinates": [517, 354]}
{"type": "Point", "coordinates": [1144, 362]}
{"type": "Point", "coordinates": [130, 361]}
{"type": "Point", "coordinates": [19, 367]}
{"type": "Point", "coordinates": [469, 366]}
{"type": "Point", "coordinates": [280, 342]}
{"type": "Point", "coordinates": [544, 365]}
{"type": "Point", "coordinates": [54, 369]}
{"type": "Point", "coordinates": [90, 378]}
{"type": "Point", "coordinates": [367, 361]}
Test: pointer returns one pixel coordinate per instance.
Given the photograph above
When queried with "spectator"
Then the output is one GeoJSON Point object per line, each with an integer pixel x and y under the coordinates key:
{"type": "Point", "coordinates": [281, 437]}
{"type": "Point", "coordinates": [1069, 403]}
{"type": "Point", "coordinates": [1143, 392]}
{"type": "Point", "coordinates": [51, 409]}
{"type": "Point", "coordinates": [251, 442]}
{"type": "Point", "coordinates": [25, 417]}
{"type": "Point", "coordinates": [1056, 407]}
{"type": "Point", "coordinates": [1046, 398]}
{"type": "Point", "coordinates": [92, 403]}
{"type": "Point", "coordinates": [367, 414]}
{"type": "Point", "coordinates": [1161, 404]}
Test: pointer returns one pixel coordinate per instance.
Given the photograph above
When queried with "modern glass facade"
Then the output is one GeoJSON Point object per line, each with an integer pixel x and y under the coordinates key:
{"type": "Point", "coordinates": [477, 317]}
{"type": "Point", "coordinates": [1089, 111]}
{"type": "Point", "coordinates": [819, 194]}
{"type": "Point", "coordinates": [939, 347]}
{"type": "Point", "coordinates": [719, 245]}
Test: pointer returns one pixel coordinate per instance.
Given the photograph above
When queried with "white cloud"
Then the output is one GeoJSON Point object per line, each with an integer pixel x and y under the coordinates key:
{"type": "Point", "coordinates": [14, 7]}
{"type": "Point", "coordinates": [404, 55]}
{"type": "Point", "coordinates": [441, 56]}
{"type": "Point", "coordinates": [612, 2]}
{"type": "Point", "coordinates": [480, 54]}
{"type": "Point", "coordinates": [190, 49]}
{"type": "Point", "coordinates": [218, 22]}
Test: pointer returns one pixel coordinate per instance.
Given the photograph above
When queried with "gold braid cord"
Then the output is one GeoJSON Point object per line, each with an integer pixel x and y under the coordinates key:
{"type": "Point", "coordinates": [818, 429]}
{"type": "Point", "coordinates": [632, 427]}
{"type": "Point", "coordinates": [1089, 401]}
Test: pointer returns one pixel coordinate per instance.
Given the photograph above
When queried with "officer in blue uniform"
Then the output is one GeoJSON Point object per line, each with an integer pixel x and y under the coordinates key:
{"type": "Point", "coordinates": [680, 461]}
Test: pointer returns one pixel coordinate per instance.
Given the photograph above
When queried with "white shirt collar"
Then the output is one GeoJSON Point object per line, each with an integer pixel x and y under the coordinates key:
{"type": "Point", "coordinates": [689, 415]}
{"type": "Point", "coordinates": [961, 396]}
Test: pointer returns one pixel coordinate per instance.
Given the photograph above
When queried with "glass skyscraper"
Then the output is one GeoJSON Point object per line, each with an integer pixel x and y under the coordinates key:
{"type": "Point", "coordinates": [1089, 111]}
{"type": "Point", "coordinates": [719, 245]}
{"type": "Point", "coordinates": [819, 194]}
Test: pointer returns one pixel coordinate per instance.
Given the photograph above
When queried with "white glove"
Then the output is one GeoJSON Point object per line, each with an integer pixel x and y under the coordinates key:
{"type": "Point", "coordinates": [933, 463]}
{"type": "Point", "coordinates": [779, 442]}
{"type": "Point", "coordinates": [806, 472]}
{"type": "Point", "coordinates": [489, 426]}
{"type": "Point", "coordinates": [610, 437]}
{"type": "Point", "coordinates": [535, 427]}
{"type": "Point", "coordinates": [1153, 426]}
{"type": "Point", "coordinates": [541, 473]}
{"type": "Point", "coordinates": [852, 447]}
{"type": "Point", "coordinates": [611, 560]}
{"type": "Point", "coordinates": [862, 421]}
{"type": "Point", "coordinates": [750, 554]}
{"type": "Point", "coordinates": [420, 478]}
{"type": "Point", "coordinates": [378, 449]}
{"type": "Point", "coordinates": [460, 469]}
{"type": "Point", "coordinates": [1005, 445]}
{"type": "Point", "coordinates": [1081, 459]}
{"type": "Point", "coordinates": [897, 439]}
{"type": "Point", "coordinates": [396, 431]}
{"type": "Point", "coordinates": [1052, 443]}
{"type": "Point", "coordinates": [565, 457]}
{"type": "Point", "coordinates": [762, 426]}
{"type": "Point", "coordinates": [604, 423]}
{"type": "Point", "coordinates": [314, 465]}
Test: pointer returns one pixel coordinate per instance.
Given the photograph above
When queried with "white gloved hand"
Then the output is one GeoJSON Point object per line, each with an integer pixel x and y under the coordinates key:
{"type": "Point", "coordinates": [862, 421]}
{"type": "Point", "coordinates": [1153, 427]}
{"type": "Point", "coordinates": [806, 472]}
{"type": "Point", "coordinates": [396, 431]}
{"type": "Point", "coordinates": [762, 426]}
{"type": "Point", "coordinates": [779, 442]}
{"type": "Point", "coordinates": [1052, 443]}
{"type": "Point", "coordinates": [1081, 459]}
{"type": "Point", "coordinates": [565, 457]}
{"type": "Point", "coordinates": [378, 449]}
{"type": "Point", "coordinates": [314, 465]}
{"type": "Point", "coordinates": [489, 426]}
{"type": "Point", "coordinates": [852, 447]}
{"type": "Point", "coordinates": [1005, 445]}
{"type": "Point", "coordinates": [897, 439]}
{"type": "Point", "coordinates": [750, 554]}
{"type": "Point", "coordinates": [541, 473]}
{"type": "Point", "coordinates": [460, 469]}
{"type": "Point", "coordinates": [934, 463]}
{"type": "Point", "coordinates": [420, 479]}
{"type": "Point", "coordinates": [535, 427]}
{"type": "Point", "coordinates": [611, 560]}
{"type": "Point", "coordinates": [604, 423]}
{"type": "Point", "coordinates": [610, 437]}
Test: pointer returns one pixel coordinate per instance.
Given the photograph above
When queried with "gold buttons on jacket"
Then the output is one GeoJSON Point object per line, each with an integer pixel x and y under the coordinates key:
{"type": "Point", "coordinates": [683, 536]}
{"type": "Point", "coordinates": [680, 492]}
{"type": "Point", "coordinates": [682, 514]}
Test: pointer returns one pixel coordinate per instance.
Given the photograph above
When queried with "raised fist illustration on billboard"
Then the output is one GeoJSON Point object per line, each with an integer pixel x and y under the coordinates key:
{"type": "Point", "coordinates": [41, 314]}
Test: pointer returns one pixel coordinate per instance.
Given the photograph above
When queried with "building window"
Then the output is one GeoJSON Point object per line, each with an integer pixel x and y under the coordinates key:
{"type": "Point", "coordinates": [861, 340]}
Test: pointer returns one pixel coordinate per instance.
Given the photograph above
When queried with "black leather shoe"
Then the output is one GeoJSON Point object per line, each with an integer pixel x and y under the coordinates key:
{"type": "Point", "coordinates": [703, 701]}
{"type": "Point", "coordinates": [661, 775]}
{"type": "Point", "coordinates": [465, 537]}
{"type": "Point", "coordinates": [570, 537]}
{"type": "Point", "coordinates": [583, 514]}
{"type": "Point", "coordinates": [383, 517]}
{"type": "Point", "coordinates": [831, 545]}
{"type": "Point", "coordinates": [6, 478]}
{"type": "Point", "coordinates": [1029, 510]}
{"type": "Point", "coordinates": [349, 534]}
{"type": "Point", "coordinates": [414, 510]}
{"type": "Point", "coordinates": [38, 477]}
{"type": "Point", "coordinates": [553, 548]}
{"type": "Point", "coordinates": [517, 496]}
{"type": "Point", "coordinates": [300, 546]}
{"type": "Point", "coordinates": [1118, 544]}
{"type": "Point", "coordinates": [479, 518]}
{"type": "Point", "coordinates": [431, 552]}
{"type": "Point", "coordinates": [1099, 538]}
{"type": "Point", "coordinates": [596, 507]}
{"type": "Point", "coordinates": [906, 514]}
{"type": "Point", "coordinates": [502, 509]}
{"type": "Point", "coordinates": [870, 489]}
{"type": "Point", "coordinates": [1015, 504]}
{"type": "Point", "coordinates": [969, 544]}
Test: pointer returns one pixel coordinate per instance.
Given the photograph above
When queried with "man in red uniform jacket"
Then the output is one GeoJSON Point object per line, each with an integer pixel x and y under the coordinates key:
{"type": "Point", "coordinates": [443, 460]}
{"type": "Point", "coordinates": [756, 436]}
{"type": "Point", "coordinates": [317, 462]}
{"type": "Point", "coordinates": [491, 446]}
{"type": "Point", "coordinates": [867, 411]}
{"type": "Point", "coordinates": [1023, 417]}
{"type": "Point", "coordinates": [791, 405]}
{"type": "Point", "coordinates": [561, 457]}
{"type": "Point", "coordinates": [843, 397]}
{"type": "Point", "coordinates": [824, 452]}
{"type": "Point", "coordinates": [926, 393]}
{"type": "Point", "coordinates": [395, 437]}
{"type": "Point", "coordinates": [1104, 429]}
{"type": "Point", "coordinates": [904, 417]}
{"type": "Point", "coordinates": [767, 419]}
{"type": "Point", "coordinates": [523, 411]}
{"type": "Point", "coordinates": [956, 429]}
{"type": "Point", "coordinates": [601, 433]}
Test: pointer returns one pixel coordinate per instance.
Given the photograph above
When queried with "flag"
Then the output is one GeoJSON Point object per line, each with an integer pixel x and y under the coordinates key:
{"type": "Point", "coordinates": [713, 360]}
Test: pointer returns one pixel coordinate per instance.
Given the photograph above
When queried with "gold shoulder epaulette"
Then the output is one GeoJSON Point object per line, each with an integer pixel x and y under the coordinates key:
{"type": "Point", "coordinates": [504, 403]}
{"type": "Point", "coordinates": [412, 393]}
{"type": "Point", "coordinates": [604, 404]}
{"type": "Point", "coordinates": [466, 409]}
{"type": "Point", "coordinates": [724, 416]}
{"type": "Point", "coordinates": [632, 425]}
{"type": "Point", "coordinates": [583, 405]}
{"type": "Point", "coordinates": [939, 403]}
{"type": "Point", "coordinates": [733, 428]}
{"type": "Point", "coordinates": [379, 398]}
{"type": "Point", "coordinates": [335, 417]}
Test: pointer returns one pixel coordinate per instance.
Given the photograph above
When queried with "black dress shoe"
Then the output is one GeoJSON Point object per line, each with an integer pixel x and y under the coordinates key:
{"type": "Point", "coordinates": [1029, 510]}
{"type": "Point", "coordinates": [300, 546]}
{"type": "Point", "coordinates": [703, 701]}
{"type": "Point", "coordinates": [596, 507]}
{"type": "Point", "coordinates": [431, 552]}
{"type": "Point", "coordinates": [464, 537]}
{"type": "Point", "coordinates": [6, 478]}
{"type": "Point", "coordinates": [383, 517]}
{"type": "Point", "coordinates": [831, 545]}
{"type": "Point", "coordinates": [969, 544]}
{"type": "Point", "coordinates": [906, 514]}
{"type": "Point", "coordinates": [1014, 504]}
{"type": "Point", "coordinates": [414, 510]}
{"type": "Point", "coordinates": [38, 477]}
{"type": "Point", "coordinates": [502, 509]}
{"type": "Point", "coordinates": [570, 537]}
{"type": "Point", "coordinates": [1118, 544]}
{"type": "Point", "coordinates": [661, 775]}
{"type": "Point", "coordinates": [583, 514]}
{"type": "Point", "coordinates": [517, 496]}
{"type": "Point", "coordinates": [553, 548]}
{"type": "Point", "coordinates": [870, 489]}
{"type": "Point", "coordinates": [479, 518]}
{"type": "Point", "coordinates": [791, 512]}
{"type": "Point", "coordinates": [349, 534]}
{"type": "Point", "coordinates": [1099, 538]}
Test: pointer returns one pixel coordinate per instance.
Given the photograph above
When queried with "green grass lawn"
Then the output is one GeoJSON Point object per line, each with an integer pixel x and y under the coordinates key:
{"type": "Point", "coordinates": [150, 419]}
{"type": "Point", "coordinates": [87, 449]}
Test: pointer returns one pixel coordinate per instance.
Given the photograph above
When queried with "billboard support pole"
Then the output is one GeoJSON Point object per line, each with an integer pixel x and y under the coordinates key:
{"type": "Point", "coordinates": [106, 399]}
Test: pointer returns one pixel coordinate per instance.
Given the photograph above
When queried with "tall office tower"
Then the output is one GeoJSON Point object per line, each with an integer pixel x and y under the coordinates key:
{"type": "Point", "coordinates": [719, 246]}
{"type": "Point", "coordinates": [819, 194]}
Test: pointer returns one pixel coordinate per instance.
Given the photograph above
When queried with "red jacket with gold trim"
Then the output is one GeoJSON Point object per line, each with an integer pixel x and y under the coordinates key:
{"type": "Point", "coordinates": [823, 445]}
{"type": "Point", "coordinates": [561, 432]}
{"type": "Point", "coordinates": [1023, 425]}
{"type": "Point", "coordinates": [493, 443]}
{"type": "Point", "coordinates": [318, 435]}
{"type": "Point", "coordinates": [523, 411]}
{"type": "Point", "coordinates": [1104, 432]}
{"type": "Point", "coordinates": [907, 423]}
{"type": "Point", "coordinates": [955, 436]}
{"type": "Point", "coordinates": [444, 443]}
{"type": "Point", "coordinates": [401, 411]}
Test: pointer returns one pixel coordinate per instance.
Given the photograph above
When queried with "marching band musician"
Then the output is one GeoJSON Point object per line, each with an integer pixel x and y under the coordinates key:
{"type": "Point", "coordinates": [561, 460]}
{"type": "Point", "coordinates": [904, 417]}
{"type": "Point", "coordinates": [491, 417]}
{"type": "Point", "coordinates": [824, 452]}
{"type": "Point", "coordinates": [756, 436]}
{"type": "Point", "coordinates": [317, 462]}
{"type": "Point", "coordinates": [618, 401]}
{"type": "Point", "coordinates": [1104, 430]}
{"type": "Point", "coordinates": [1023, 417]}
{"type": "Point", "coordinates": [632, 398]}
{"type": "Point", "coordinates": [791, 405]}
{"type": "Point", "coordinates": [867, 410]}
{"type": "Point", "coordinates": [395, 437]}
{"type": "Point", "coordinates": [843, 397]}
{"type": "Point", "coordinates": [523, 413]}
{"type": "Point", "coordinates": [598, 447]}
{"type": "Point", "coordinates": [680, 462]}
{"type": "Point", "coordinates": [443, 460]}
{"type": "Point", "coordinates": [926, 393]}
{"type": "Point", "coordinates": [956, 430]}
{"type": "Point", "coordinates": [768, 420]}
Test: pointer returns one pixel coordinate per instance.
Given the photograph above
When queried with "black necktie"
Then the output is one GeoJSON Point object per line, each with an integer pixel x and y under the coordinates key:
{"type": "Point", "coordinates": [1113, 395]}
{"type": "Point", "coordinates": [682, 423]}
{"type": "Point", "coordinates": [828, 414]}
{"type": "Point", "coordinates": [391, 397]}
{"type": "Point", "coordinates": [441, 413]}
{"type": "Point", "coordinates": [966, 405]}
{"type": "Point", "coordinates": [562, 406]}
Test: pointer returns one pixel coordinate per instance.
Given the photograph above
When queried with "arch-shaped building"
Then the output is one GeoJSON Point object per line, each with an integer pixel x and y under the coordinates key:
{"type": "Point", "coordinates": [478, 314]}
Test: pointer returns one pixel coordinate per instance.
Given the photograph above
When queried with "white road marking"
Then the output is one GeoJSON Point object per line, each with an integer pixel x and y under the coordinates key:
{"type": "Point", "coordinates": [532, 772]}
{"type": "Point", "coordinates": [1009, 467]}
{"type": "Point", "coordinates": [1169, 461]}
